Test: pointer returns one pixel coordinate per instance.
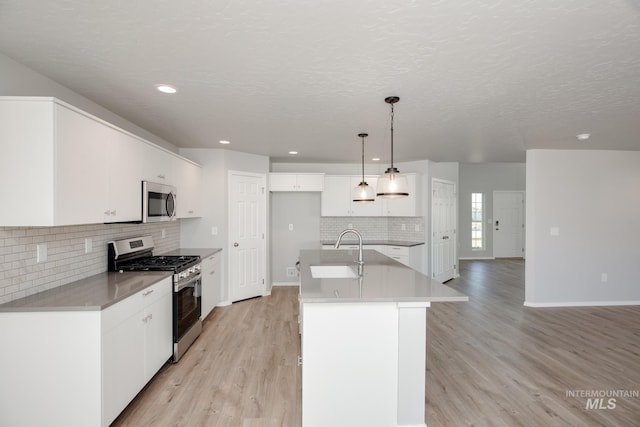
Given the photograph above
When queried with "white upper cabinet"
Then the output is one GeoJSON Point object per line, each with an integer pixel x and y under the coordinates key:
{"type": "Point", "coordinates": [403, 206]}
{"type": "Point", "coordinates": [283, 181]}
{"type": "Point", "coordinates": [188, 188]}
{"type": "Point", "coordinates": [158, 166]}
{"type": "Point", "coordinates": [68, 167]}
{"type": "Point", "coordinates": [337, 197]}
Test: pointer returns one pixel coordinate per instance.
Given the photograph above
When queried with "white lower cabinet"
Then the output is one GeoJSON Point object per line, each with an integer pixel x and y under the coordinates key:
{"type": "Point", "coordinates": [211, 280]}
{"type": "Point", "coordinates": [136, 342]}
{"type": "Point", "coordinates": [82, 368]}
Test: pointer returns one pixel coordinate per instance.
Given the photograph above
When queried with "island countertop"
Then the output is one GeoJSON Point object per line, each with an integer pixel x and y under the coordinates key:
{"type": "Point", "coordinates": [383, 280]}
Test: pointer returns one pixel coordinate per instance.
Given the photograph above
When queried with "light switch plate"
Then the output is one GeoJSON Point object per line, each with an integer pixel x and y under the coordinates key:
{"type": "Point", "coordinates": [41, 252]}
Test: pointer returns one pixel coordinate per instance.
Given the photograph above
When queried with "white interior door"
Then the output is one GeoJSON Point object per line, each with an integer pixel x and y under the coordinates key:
{"type": "Point", "coordinates": [443, 230]}
{"type": "Point", "coordinates": [508, 224]}
{"type": "Point", "coordinates": [247, 223]}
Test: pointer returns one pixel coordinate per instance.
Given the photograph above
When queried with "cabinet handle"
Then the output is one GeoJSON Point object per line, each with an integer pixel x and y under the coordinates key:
{"type": "Point", "coordinates": [146, 318]}
{"type": "Point", "coordinates": [144, 294]}
{"type": "Point", "coordinates": [107, 212]}
{"type": "Point", "coordinates": [113, 212]}
{"type": "Point", "coordinates": [161, 176]}
{"type": "Point", "coordinates": [190, 212]}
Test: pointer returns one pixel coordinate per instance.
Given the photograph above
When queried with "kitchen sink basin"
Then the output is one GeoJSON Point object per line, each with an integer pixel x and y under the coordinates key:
{"type": "Point", "coordinates": [333, 272]}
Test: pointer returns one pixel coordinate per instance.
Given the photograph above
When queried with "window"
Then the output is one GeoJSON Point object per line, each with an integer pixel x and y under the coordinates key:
{"type": "Point", "coordinates": [477, 223]}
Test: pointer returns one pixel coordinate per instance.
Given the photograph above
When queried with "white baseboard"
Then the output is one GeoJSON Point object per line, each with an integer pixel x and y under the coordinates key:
{"type": "Point", "coordinates": [284, 284]}
{"type": "Point", "coordinates": [579, 304]}
{"type": "Point", "coordinates": [479, 257]}
{"type": "Point", "coordinates": [223, 303]}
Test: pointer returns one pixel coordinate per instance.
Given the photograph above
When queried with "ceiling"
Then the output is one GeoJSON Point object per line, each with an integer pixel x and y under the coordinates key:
{"type": "Point", "coordinates": [478, 81]}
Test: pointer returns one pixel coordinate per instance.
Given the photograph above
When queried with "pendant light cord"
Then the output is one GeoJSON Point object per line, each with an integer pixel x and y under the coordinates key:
{"type": "Point", "coordinates": [362, 158]}
{"type": "Point", "coordinates": [391, 136]}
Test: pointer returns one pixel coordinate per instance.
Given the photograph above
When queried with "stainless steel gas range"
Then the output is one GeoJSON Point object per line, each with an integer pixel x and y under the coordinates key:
{"type": "Point", "coordinates": [136, 254]}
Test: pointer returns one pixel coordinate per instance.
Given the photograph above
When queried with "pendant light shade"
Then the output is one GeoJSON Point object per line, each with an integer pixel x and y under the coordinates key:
{"type": "Point", "coordinates": [392, 184]}
{"type": "Point", "coordinates": [363, 192]}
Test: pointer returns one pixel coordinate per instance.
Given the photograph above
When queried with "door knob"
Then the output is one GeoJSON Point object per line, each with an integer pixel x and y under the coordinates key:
{"type": "Point", "coordinates": [236, 244]}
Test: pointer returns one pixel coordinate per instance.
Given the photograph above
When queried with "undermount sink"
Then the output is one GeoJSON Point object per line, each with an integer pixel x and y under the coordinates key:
{"type": "Point", "coordinates": [333, 272]}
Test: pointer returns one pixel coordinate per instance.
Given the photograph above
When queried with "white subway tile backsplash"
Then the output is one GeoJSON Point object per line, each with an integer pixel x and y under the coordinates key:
{"type": "Point", "coordinates": [374, 228]}
{"type": "Point", "coordinates": [67, 262]}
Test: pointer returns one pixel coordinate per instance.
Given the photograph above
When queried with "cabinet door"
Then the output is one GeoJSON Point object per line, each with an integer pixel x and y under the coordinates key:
{"type": "Point", "coordinates": [125, 155]}
{"type": "Point", "coordinates": [282, 182]}
{"type": "Point", "coordinates": [122, 365]}
{"type": "Point", "coordinates": [335, 198]}
{"type": "Point", "coordinates": [158, 333]}
{"type": "Point", "coordinates": [81, 173]}
{"type": "Point", "coordinates": [365, 208]}
{"type": "Point", "coordinates": [403, 206]}
{"type": "Point", "coordinates": [310, 182]}
{"type": "Point", "coordinates": [211, 281]}
{"type": "Point", "coordinates": [158, 165]}
{"type": "Point", "coordinates": [27, 158]}
{"type": "Point", "coordinates": [189, 186]}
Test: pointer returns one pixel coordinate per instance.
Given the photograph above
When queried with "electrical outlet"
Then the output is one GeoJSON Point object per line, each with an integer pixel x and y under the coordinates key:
{"type": "Point", "coordinates": [214, 231]}
{"type": "Point", "coordinates": [291, 271]}
{"type": "Point", "coordinates": [349, 225]}
{"type": "Point", "coordinates": [164, 233]}
{"type": "Point", "coordinates": [417, 227]}
{"type": "Point", "coordinates": [41, 252]}
{"type": "Point", "coordinates": [403, 227]}
{"type": "Point", "coordinates": [290, 227]}
{"type": "Point", "coordinates": [604, 277]}
{"type": "Point", "coordinates": [88, 245]}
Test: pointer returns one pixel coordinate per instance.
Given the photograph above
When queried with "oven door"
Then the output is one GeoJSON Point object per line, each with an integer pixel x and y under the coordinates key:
{"type": "Point", "coordinates": [187, 305]}
{"type": "Point", "coordinates": [158, 202]}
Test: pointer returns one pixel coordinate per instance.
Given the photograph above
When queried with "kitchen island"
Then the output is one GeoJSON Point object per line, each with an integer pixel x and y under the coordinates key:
{"type": "Point", "coordinates": [364, 339]}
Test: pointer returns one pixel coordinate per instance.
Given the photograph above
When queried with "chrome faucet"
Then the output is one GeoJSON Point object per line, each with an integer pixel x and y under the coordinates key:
{"type": "Point", "coordinates": [360, 261]}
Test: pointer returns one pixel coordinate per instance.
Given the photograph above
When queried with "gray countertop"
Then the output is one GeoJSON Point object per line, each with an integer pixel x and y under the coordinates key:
{"type": "Point", "coordinates": [201, 252]}
{"type": "Point", "coordinates": [383, 280]}
{"type": "Point", "coordinates": [374, 242]}
{"type": "Point", "coordinates": [93, 293]}
{"type": "Point", "coordinates": [99, 291]}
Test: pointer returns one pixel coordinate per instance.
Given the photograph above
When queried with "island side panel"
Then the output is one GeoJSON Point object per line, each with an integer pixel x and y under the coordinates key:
{"type": "Point", "coordinates": [412, 368]}
{"type": "Point", "coordinates": [350, 364]}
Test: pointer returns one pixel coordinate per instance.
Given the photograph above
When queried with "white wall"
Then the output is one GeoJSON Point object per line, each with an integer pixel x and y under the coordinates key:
{"type": "Point", "coordinates": [197, 232]}
{"type": "Point", "coordinates": [19, 80]}
{"type": "Point", "coordinates": [484, 178]}
{"type": "Point", "coordinates": [592, 198]}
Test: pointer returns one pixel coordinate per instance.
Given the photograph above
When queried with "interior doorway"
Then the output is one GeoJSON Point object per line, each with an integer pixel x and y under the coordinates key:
{"type": "Point", "coordinates": [443, 229]}
{"type": "Point", "coordinates": [247, 227]}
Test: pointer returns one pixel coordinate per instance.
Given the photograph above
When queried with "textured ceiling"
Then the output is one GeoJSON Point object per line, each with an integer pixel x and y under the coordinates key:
{"type": "Point", "coordinates": [478, 81]}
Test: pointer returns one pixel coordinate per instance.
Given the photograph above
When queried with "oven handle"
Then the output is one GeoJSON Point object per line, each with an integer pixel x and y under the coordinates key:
{"type": "Point", "coordinates": [191, 283]}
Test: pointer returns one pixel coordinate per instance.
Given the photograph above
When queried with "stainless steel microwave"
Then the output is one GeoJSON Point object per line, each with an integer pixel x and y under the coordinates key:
{"type": "Point", "coordinates": [158, 202]}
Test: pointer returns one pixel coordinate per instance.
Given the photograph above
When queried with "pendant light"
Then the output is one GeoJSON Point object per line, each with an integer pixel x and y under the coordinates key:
{"type": "Point", "coordinates": [391, 184]}
{"type": "Point", "coordinates": [363, 192]}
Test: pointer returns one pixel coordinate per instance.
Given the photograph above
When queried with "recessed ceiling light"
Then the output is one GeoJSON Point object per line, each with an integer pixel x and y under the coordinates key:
{"type": "Point", "coordinates": [166, 88]}
{"type": "Point", "coordinates": [293, 152]}
{"type": "Point", "coordinates": [222, 141]}
{"type": "Point", "coordinates": [376, 159]}
{"type": "Point", "coordinates": [583, 136]}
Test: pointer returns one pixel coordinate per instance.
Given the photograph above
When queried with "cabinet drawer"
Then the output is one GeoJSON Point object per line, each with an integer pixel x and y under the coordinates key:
{"type": "Point", "coordinates": [397, 251]}
{"type": "Point", "coordinates": [119, 312]}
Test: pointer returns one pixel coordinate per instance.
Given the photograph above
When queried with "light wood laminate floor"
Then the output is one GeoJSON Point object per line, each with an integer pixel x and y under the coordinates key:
{"type": "Point", "coordinates": [491, 362]}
